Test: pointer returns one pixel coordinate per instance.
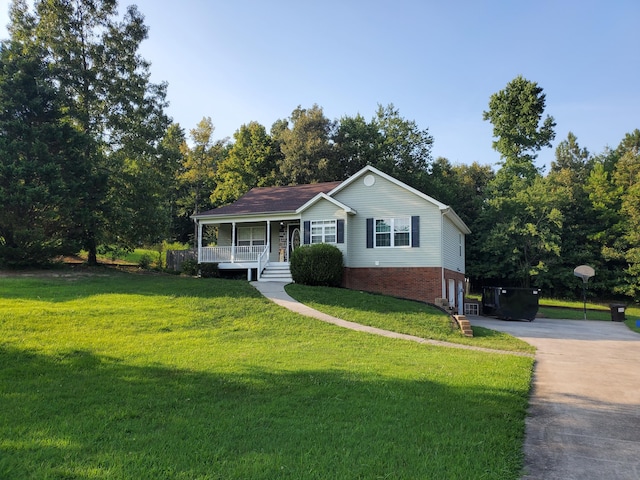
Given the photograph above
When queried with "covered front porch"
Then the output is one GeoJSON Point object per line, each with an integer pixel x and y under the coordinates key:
{"type": "Point", "coordinates": [251, 245]}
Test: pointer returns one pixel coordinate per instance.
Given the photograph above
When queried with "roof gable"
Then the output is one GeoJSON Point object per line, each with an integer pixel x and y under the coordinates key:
{"type": "Point", "coordinates": [370, 169]}
{"type": "Point", "coordinates": [444, 209]}
{"type": "Point", "coordinates": [324, 196]}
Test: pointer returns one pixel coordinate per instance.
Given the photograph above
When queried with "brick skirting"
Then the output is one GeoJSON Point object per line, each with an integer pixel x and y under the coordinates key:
{"type": "Point", "coordinates": [416, 283]}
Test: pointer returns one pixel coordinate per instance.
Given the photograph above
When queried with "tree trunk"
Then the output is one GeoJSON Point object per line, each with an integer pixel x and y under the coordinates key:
{"type": "Point", "coordinates": [92, 258]}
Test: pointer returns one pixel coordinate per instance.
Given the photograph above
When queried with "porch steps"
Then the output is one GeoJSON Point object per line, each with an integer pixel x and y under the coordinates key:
{"type": "Point", "coordinates": [276, 272]}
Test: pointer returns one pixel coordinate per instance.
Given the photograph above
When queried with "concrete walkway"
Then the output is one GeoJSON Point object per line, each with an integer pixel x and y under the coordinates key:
{"type": "Point", "coordinates": [276, 293]}
{"type": "Point", "coordinates": [584, 414]}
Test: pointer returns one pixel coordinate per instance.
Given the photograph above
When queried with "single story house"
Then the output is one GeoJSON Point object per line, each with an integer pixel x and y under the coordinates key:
{"type": "Point", "coordinates": [395, 239]}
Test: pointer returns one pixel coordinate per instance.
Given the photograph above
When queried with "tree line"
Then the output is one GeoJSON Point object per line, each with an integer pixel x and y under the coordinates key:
{"type": "Point", "coordinates": [89, 160]}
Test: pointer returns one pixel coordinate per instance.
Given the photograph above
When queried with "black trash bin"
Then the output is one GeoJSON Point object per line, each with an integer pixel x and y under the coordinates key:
{"type": "Point", "coordinates": [617, 312]}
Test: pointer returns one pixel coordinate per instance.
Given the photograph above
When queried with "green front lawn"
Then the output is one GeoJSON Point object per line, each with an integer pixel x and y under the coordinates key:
{"type": "Point", "coordinates": [125, 376]}
{"type": "Point", "coordinates": [404, 316]}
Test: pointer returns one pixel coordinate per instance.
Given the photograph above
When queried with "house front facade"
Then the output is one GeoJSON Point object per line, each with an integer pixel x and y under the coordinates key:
{"type": "Point", "coordinates": [395, 240]}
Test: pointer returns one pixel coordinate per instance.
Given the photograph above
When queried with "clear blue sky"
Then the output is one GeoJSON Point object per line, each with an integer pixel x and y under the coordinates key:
{"type": "Point", "coordinates": [437, 62]}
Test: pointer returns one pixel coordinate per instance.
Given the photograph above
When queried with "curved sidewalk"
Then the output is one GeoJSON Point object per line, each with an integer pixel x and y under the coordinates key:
{"type": "Point", "coordinates": [275, 292]}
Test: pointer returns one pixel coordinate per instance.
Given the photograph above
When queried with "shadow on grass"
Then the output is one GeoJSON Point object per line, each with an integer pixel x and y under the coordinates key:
{"type": "Point", "coordinates": [65, 287]}
{"type": "Point", "coordinates": [77, 415]}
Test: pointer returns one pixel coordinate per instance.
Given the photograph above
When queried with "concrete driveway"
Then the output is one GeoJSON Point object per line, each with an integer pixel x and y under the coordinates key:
{"type": "Point", "coordinates": [584, 416]}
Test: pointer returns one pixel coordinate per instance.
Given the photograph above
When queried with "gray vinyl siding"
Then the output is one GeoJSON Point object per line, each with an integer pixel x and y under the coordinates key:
{"type": "Point", "coordinates": [325, 210]}
{"type": "Point", "coordinates": [453, 256]}
{"type": "Point", "coordinates": [386, 199]}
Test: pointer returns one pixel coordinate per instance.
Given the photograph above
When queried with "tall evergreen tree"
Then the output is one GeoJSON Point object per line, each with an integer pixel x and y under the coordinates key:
{"type": "Point", "coordinates": [171, 166]}
{"type": "Point", "coordinates": [569, 173]}
{"type": "Point", "coordinates": [93, 58]}
{"type": "Point", "coordinates": [38, 187]}
{"type": "Point", "coordinates": [626, 180]}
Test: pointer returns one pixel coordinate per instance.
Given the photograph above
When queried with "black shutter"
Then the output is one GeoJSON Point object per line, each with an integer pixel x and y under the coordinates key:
{"type": "Point", "coordinates": [340, 232]}
{"type": "Point", "coordinates": [307, 233]}
{"type": "Point", "coordinates": [369, 232]}
{"type": "Point", "coordinates": [415, 231]}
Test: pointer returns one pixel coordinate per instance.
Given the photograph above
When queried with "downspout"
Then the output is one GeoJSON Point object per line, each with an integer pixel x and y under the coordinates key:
{"type": "Point", "coordinates": [443, 286]}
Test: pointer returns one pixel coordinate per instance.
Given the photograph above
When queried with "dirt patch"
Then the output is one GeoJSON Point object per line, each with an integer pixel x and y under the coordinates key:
{"type": "Point", "coordinates": [72, 267]}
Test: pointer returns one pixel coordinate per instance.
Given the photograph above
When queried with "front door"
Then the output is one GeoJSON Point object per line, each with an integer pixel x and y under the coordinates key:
{"type": "Point", "coordinates": [293, 238]}
{"type": "Point", "coordinates": [452, 292]}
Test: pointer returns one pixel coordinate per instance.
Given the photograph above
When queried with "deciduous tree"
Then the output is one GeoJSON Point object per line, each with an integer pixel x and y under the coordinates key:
{"type": "Point", "coordinates": [358, 143]}
{"type": "Point", "coordinates": [251, 162]}
{"type": "Point", "coordinates": [308, 155]}
{"type": "Point", "coordinates": [405, 152]}
{"type": "Point", "coordinates": [197, 179]}
{"type": "Point", "coordinates": [516, 113]}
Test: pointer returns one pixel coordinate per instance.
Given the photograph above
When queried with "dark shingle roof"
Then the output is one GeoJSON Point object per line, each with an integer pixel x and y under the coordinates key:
{"type": "Point", "coordinates": [272, 199]}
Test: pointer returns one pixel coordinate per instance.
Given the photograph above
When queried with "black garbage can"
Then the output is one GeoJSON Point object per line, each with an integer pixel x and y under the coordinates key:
{"type": "Point", "coordinates": [617, 312]}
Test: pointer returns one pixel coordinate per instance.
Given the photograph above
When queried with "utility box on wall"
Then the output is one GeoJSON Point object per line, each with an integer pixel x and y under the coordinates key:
{"type": "Point", "coordinates": [510, 303]}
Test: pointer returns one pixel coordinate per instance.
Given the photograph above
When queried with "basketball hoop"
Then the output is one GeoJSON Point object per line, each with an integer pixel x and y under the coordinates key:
{"type": "Point", "coordinates": [585, 272]}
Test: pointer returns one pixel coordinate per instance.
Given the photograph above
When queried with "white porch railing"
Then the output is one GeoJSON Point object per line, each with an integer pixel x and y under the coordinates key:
{"type": "Point", "coordinates": [232, 254]}
{"type": "Point", "coordinates": [263, 260]}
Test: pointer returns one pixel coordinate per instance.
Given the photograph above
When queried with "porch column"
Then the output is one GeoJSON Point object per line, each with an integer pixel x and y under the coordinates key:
{"type": "Point", "coordinates": [199, 242]}
{"type": "Point", "coordinates": [233, 242]}
{"type": "Point", "coordinates": [268, 233]}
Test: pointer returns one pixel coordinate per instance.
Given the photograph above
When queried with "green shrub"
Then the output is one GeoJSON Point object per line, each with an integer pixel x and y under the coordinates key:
{"type": "Point", "coordinates": [174, 246]}
{"type": "Point", "coordinates": [114, 252]}
{"type": "Point", "coordinates": [145, 261]}
{"type": "Point", "coordinates": [190, 267]}
{"type": "Point", "coordinates": [32, 247]}
{"type": "Point", "coordinates": [209, 270]}
{"type": "Point", "coordinates": [319, 264]}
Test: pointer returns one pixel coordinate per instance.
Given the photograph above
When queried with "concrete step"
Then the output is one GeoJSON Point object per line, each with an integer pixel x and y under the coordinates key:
{"type": "Point", "coordinates": [276, 272]}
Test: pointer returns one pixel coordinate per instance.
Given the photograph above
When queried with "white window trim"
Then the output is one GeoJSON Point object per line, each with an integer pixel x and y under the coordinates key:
{"type": "Point", "coordinates": [256, 234]}
{"type": "Point", "coordinates": [392, 222]}
{"type": "Point", "coordinates": [323, 225]}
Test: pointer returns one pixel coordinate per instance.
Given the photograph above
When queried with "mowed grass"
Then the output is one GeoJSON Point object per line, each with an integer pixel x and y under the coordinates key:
{"type": "Point", "coordinates": [124, 376]}
{"type": "Point", "coordinates": [397, 315]}
{"type": "Point", "coordinates": [574, 310]}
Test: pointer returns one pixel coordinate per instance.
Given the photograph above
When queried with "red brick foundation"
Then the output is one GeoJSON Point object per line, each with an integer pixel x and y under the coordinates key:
{"type": "Point", "coordinates": [415, 283]}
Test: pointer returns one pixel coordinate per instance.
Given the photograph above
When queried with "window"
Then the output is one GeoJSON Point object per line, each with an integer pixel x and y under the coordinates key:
{"type": "Point", "coordinates": [323, 231]}
{"type": "Point", "coordinates": [250, 236]}
{"type": "Point", "coordinates": [393, 232]}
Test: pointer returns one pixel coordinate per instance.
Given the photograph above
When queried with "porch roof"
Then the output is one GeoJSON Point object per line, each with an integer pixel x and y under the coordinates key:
{"type": "Point", "coordinates": [264, 200]}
